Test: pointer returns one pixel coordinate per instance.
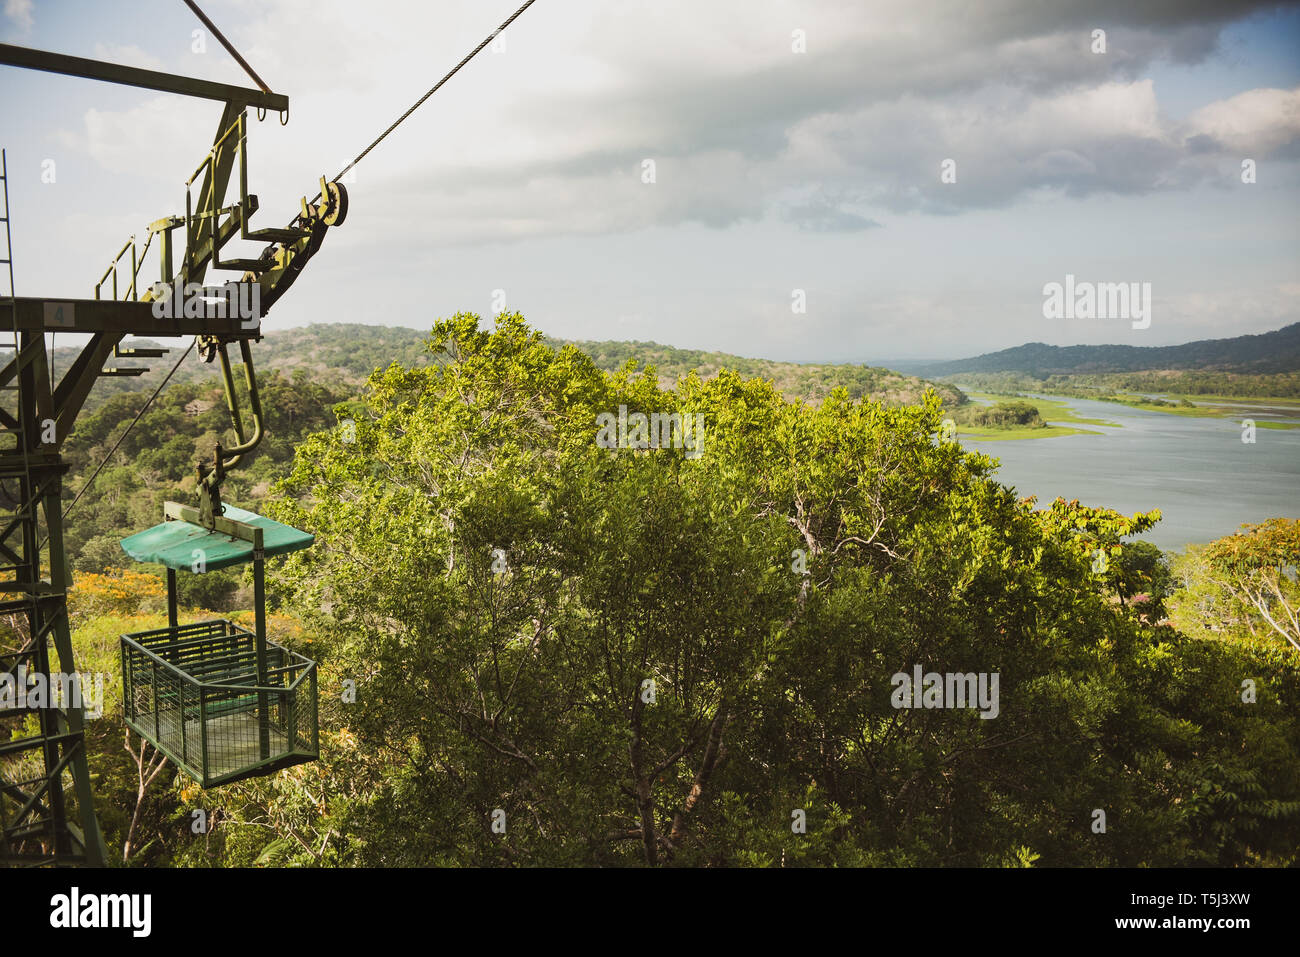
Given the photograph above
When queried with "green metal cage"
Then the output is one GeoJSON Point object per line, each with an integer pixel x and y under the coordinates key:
{"type": "Point", "coordinates": [193, 692]}
{"type": "Point", "coordinates": [221, 701]}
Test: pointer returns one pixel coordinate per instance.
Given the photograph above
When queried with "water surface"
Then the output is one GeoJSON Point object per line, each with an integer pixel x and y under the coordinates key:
{"type": "Point", "coordinates": [1197, 471]}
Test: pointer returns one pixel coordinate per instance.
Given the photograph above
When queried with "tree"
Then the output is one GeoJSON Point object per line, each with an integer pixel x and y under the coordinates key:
{"type": "Point", "coordinates": [1257, 568]}
{"type": "Point", "coordinates": [1097, 534]}
{"type": "Point", "coordinates": [564, 653]}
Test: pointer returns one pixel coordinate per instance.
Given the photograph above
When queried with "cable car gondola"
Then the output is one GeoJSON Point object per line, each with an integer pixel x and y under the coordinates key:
{"type": "Point", "coordinates": [222, 702]}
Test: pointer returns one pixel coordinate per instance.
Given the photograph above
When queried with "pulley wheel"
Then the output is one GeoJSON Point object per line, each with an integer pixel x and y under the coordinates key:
{"type": "Point", "coordinates": [334, 204]}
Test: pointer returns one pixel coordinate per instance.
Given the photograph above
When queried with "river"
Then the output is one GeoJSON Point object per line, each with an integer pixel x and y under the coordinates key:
{"type": "Point", "coordinates": [1197, 471]}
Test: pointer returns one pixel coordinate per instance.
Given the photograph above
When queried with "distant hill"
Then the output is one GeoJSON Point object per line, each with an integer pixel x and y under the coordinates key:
{"type": "Point", "coordinates": [812, 381]}
{"type": "Point", "coordinates": [340, 354]}
{"type": "Point", "coordinates": [348, 352]}
{"type": "Point", "coordinates": [1269, 352]}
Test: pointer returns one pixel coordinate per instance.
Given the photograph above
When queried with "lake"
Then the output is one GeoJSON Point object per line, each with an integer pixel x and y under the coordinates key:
{"type": "Point", "coordinates": [1197, 471]}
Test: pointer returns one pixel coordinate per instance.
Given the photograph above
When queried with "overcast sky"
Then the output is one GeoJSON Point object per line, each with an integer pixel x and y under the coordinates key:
{"type": "Point", "coordinates": [775, 170]}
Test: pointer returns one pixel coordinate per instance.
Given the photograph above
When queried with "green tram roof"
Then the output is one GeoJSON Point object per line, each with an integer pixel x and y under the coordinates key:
{"type": "Point", "coordinates": [173, 543]}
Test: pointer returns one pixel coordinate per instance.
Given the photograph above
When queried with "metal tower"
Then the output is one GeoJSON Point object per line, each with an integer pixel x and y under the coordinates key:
{"type": "Point", "coordinates": [46, 808]}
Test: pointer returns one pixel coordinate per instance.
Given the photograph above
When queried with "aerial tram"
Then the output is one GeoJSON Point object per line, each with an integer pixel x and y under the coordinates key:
{"type": "Point", "coordinates": [222, 702]}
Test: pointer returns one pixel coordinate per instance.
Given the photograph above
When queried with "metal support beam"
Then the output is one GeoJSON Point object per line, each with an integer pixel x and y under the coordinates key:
{"type": "Point", "coordinates": [171, 599]}
{"type": "Point", "coordinates": [120, 316]}
{"type": "Point", "coordinates": [132, 76]}
{"type": "Point", "coordinates": [212, 194]}
{"type": "Point", "coordinates": [176, 512]}
{"type": "Point", "coordinates": [259, 611]}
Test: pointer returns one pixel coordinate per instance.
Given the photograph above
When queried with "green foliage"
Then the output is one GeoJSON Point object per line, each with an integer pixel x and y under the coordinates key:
{"type": "Point", "coordinates": [1001, 415]}
{"type": "Point", "coordinates": [1144, 576]}
{"type": "Point", "coordinates": [1096, 534]}
{"type": "Point", "coordinates": [157, 459]}
{"type": "Point", "coordinates": [810, 381]}
{"type": "Point", "coordinates": [1246, 583]}
{"type": "Point", "coordinates": [501, 589]}
{"type": "Point", "coordinates": [215, 590]}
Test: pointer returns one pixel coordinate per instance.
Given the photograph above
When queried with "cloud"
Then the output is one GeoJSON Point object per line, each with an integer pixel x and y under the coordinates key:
{"type": "Point", "coordinates": [161, 134]}
{"type": "Point", "coordinates": [1256, 122]}
{"type": "Point", "coordinates": [19, 13]}
{"type": "Point", "coordinates": [127, 55]}
{"type": "Point", "coordinates": [882, 96]}
{"type": "Point", "coordinates": [822, 214]}
{"type": "Point", "coordinates": [546, 138]}
{"type": "Point", "coordinates": [1004, 145]}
